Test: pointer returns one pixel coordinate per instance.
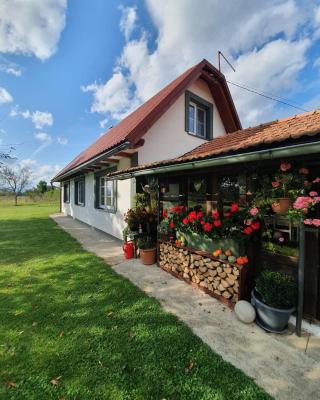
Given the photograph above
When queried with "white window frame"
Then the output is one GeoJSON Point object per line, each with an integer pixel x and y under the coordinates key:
{"type": "Point", "coordinates": [66, 192]}
{"type": "Point", "coordinates": [104, 183]}
{"type": "Point", "coordinates": [80, 183]}
{"type": "Point", "coordinates": [194, 130]}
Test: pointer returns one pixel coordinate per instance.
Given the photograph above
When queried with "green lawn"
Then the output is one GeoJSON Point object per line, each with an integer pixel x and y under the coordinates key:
{"type": "Point", "coordinates": [70, 328]}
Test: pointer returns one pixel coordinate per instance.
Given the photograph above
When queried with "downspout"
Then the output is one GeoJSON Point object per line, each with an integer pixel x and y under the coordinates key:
{"type": "Point", "coordinates": [281, 152]}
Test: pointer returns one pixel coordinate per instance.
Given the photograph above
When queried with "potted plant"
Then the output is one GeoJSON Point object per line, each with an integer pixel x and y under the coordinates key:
{"type": "Point", "coordinates": [285, 186]}
{"type": "Point", "coordinates": [274, 298]}
{"type": "Point", "coordinates": [147, 249]}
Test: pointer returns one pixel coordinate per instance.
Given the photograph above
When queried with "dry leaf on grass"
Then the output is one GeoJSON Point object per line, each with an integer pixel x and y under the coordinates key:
{"type": "Point", "coordinates": [10, 384]}
{"type": "Point", "coordinates": [56, 381]}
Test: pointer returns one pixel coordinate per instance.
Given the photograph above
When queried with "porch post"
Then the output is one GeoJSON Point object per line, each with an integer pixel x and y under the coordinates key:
{"type": "Point", "coordinates": [302, 247]}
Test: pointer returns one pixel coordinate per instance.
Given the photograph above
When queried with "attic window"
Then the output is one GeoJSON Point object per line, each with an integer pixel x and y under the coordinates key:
{"type": "Point", "coordinates": [198, 116]}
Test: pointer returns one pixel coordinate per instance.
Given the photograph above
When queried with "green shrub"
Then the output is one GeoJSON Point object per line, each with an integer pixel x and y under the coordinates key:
{"type": "Point", "coordinates": [146, 242]}
{"type": "Point", "coordinates": [277, 289]}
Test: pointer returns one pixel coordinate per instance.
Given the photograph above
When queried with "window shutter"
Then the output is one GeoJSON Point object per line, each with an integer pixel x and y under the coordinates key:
{"type": "Point", "coordinates": [76, 192]}
{"type": "Point", "coordinates": [96, 191]}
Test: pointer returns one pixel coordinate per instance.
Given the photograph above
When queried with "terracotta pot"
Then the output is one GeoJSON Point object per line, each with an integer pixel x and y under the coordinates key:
{"type": "Point", "coordinates": [148, 256]}
{"type": "Point", "coordinates": [282, 205]}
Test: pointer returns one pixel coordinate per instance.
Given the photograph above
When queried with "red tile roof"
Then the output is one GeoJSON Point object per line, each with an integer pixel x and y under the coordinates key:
{"type": "Point", "coordinates": [264, 135]}
{"type": "Point", "coordinates": [134, 126]}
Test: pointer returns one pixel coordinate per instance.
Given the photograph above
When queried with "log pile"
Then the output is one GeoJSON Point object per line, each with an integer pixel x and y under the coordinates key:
{"type": "Point", "coordinates": [215, 276]}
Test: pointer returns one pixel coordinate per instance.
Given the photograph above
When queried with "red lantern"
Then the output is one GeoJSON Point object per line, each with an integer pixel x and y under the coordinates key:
{"type": "Point", "coordinates": [128, 249]}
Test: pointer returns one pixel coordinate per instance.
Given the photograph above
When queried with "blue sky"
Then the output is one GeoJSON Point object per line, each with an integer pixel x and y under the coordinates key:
{"type": "Point", "coordinates": [68, 71]}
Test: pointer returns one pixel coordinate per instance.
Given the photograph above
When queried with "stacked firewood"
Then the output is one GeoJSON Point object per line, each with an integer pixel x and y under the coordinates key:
{"type": "Point", "coordinates": [217, 276]}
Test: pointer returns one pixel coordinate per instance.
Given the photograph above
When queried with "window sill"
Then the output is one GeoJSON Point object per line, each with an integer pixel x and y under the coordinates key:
{"type": "Point", "coordinates": [79, 205]}
{"type": "Point", "coordinates": [66, 202]}
{"type": "Point", "coordinates": [106, 210]}
{"type": "Point", "coordinates": [197, 137]}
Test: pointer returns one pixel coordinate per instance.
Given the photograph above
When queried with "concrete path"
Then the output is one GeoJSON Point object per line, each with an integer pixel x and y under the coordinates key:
{"type": "Point", "coordinates": [91, 239]}
{"type": "Point", "coordinates": [287, 367]}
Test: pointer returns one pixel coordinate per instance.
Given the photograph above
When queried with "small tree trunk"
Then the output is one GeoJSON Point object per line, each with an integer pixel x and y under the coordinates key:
{"type": "Point", "coordinates": [15, 200]}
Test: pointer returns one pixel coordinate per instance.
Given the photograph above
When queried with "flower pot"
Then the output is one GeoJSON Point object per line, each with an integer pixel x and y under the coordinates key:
{"type": "Point", "coordinates": [281, 205]}
{"type": "Point", "coordinates": [148, 256]}
{"type": "Point", "coordinates": [270, 318]}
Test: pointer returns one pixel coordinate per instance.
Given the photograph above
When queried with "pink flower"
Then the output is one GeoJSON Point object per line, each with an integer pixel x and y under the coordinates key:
{"type": "Point", "coordinates": [307, 221]}
{"type": "Point", "coordinates": [217, 223]}
{"type": "Point", "coordinates": [281, 239]}
{"type": "Point", "coordinates": [215, 215]}
{"type": "Point", "coordinates": [285, 166]}
{"type": "Point", "coordinates": [275, 184]}
{"type": "Point", "coordinates": [312, 194]}
{"type": "Point", "coordinates": [317, 180]}
{"type": "Point", "coordinates": [254, 211]}
{"type": "Point", "coordinates": [316, 222]}
{"type": "Point", "coordinates": [302, 202]}
{"type": "Point", "coordinates": [303, 171]}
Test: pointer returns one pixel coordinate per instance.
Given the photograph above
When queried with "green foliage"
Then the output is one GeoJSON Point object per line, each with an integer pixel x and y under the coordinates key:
{"type": "Point", "coordinates": [281, 249]}
{"type": "Point", "coordinates": [146, 242]}
{"type": "Point", "coordinates": [65, 314]}
{"type": "Point", "coordinates": [142, 200]}
{"type": "Point", "coordinates": [42, 187]}
{"type": "Point", "coordinates": [276, 289]}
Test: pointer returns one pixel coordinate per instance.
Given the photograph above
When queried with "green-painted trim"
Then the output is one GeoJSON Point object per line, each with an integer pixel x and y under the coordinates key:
{"type": "Point", "coordinates": [189, 96]}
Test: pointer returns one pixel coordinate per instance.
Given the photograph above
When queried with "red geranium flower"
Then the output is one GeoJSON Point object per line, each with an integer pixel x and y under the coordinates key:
{"type": "Point", "coordinates": [275, 184]}
{"type": "Point", "coordinates": [215, 215]}
{"type": "Point", "coordinates": [207, 227]}
{"type": "Point", "coordinates": [200, 215]}
{"type": "Point", "coordinates": [192, 216]}
{"type": "Point", "coordinates": [255, 225]}
{"type": "Point", "coordinates": [185, 221]}
{"type": "Point", "coordinates": [217, 223]}
{"type": "Point", "coordinates": [171, 225]}
{"type": "Point", "coordinates": [234, 207]}
{"type": "Point", "coordinates": [248, 230]}
{"type": "Point", "coordinates": [202, 222]}
{"type": "Point", "coordinates": [177, 209]}
{"type": "Point", "coordinates": [164, 213]}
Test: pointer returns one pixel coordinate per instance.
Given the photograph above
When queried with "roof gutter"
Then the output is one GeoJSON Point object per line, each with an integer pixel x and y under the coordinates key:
{"type": "Point", "coordinates": [260, 155]}
{"type": "Point", "coordinates": [73, 171]}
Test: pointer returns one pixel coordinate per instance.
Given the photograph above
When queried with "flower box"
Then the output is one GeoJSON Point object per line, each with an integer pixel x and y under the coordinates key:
{"type": "Point", "coordinates": [200, 242]}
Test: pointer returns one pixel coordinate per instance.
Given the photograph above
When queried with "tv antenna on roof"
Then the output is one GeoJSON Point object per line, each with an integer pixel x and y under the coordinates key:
{"type": "Point", "coordinates": [220, 54]}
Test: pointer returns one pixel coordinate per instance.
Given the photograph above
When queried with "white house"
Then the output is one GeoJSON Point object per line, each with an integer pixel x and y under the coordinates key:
{"type": "Point", "coordinates": [193, 109]}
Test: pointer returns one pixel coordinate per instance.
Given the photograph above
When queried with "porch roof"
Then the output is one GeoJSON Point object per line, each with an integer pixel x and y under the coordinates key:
{"type": "Point", "coordinates": [267, 135]}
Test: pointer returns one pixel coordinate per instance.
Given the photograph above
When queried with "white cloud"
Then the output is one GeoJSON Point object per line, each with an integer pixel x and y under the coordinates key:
{"type": "Point", "coordinates": [31, 27]}
{"type": "Point", "coordinates": [42, 136]}
{"type": "Point", "coordinates": [40, 119]}
{"type": "Point", "coordinates": [9, 67]}
{"type": "Point", "coordinates": [45, 172]}
{"type": "Point", "coordinates": [5, 96]}
{"type": "Point", "coordinates": [128, 20]}
{"type": "Point", "coordinates": [267, 42]}
{"type": "Point", "coordinates": [103, 123]}
{"type": "Point", "coordinates": [62, 140]}
{"type": "Point", "coordinates": [27, 162]}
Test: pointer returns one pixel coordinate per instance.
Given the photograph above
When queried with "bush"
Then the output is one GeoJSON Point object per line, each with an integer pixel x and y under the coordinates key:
{"type": "Point", "coordinates": [276, 289]}
{"type": "Point", "coordinates": [146, 243]}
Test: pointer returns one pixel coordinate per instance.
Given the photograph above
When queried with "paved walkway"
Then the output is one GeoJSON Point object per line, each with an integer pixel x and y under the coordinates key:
{"type": "Point", "coordinates": [287, 367]}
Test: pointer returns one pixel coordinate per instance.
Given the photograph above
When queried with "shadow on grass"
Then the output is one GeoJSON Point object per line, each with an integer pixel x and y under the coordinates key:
{"type": "Point", "coordinates": [65, 313]}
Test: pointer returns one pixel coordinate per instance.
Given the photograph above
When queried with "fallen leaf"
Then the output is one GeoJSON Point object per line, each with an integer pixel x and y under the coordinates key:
{"type": "Point", "coordinates": [110, 313]}
{"type": "Point", "coordinates": [10, 384]}
{"type": "Point", "coordinates": [189, 366]}
{"type": "Point", "coordinates": [34, 323]}
{"type": "Point", "coordinates": [56, 381]}
{"type": "Point", "coordinates": [61, 334]}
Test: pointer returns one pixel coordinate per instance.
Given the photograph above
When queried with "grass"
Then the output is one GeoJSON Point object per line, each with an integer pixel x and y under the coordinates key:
{"type": "Point", "coordinates": [73, 329]}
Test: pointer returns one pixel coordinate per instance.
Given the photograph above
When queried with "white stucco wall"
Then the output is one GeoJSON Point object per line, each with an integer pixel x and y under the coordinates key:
{"type": "Point", "coordinates": [167, 138]}
{"type": "Point", "coordinates": [112, 223]}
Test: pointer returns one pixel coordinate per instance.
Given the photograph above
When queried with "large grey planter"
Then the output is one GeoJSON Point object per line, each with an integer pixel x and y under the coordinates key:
{"type": "Point", "coordinates": [269, 318]}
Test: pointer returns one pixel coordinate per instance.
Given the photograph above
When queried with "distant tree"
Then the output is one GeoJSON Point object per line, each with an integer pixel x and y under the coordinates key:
{"type": "Point", "coordinates": [6, 153]}
{"type": "Point", "coordinates": [42, 187]}
{"type": "Point", "coordinates": [14, 180]}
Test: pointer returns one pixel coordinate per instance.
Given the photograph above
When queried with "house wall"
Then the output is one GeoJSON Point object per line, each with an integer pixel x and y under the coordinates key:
{"type": "Point", "coordinates": [167, 138]}
{"type": "Point", "coordinates": [112, 223]}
